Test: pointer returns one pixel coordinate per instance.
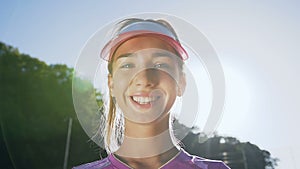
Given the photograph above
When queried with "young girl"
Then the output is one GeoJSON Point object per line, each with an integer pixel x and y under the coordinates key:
{"type": "Point", "coordinates": [145, 65]}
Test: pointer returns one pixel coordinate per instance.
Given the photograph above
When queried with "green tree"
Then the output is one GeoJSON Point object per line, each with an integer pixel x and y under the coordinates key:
{"type": "Point", "coordinates": [36, 103]}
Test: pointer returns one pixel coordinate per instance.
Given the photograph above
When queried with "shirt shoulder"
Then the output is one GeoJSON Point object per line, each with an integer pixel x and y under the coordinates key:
{"type": "Point", "coordinates": [204, 163]}
{"type": "Point", "coordinates": [100, 164]}
{"type": "Point", "coordinates": [209, 164]}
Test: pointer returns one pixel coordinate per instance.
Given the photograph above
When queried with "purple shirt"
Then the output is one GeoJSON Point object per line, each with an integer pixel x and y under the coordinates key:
{"type": "Point", "coordinates": [183, 161]}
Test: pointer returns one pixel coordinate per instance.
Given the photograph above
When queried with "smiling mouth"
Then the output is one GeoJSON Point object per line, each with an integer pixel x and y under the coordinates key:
{"type": "Point", "coordinates": [144, 100]}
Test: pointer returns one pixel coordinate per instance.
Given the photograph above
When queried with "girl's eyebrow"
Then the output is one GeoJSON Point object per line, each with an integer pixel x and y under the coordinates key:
{"type": "Point", "coordinates": [124, 55]}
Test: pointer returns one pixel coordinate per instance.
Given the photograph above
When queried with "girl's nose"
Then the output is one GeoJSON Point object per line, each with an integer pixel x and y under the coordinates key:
{"type": "Point", "coordinates": [146, 78]}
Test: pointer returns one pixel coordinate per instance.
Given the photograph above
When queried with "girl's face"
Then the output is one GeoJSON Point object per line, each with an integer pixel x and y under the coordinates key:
{"type": "Point", "coordinates": [146, 79]}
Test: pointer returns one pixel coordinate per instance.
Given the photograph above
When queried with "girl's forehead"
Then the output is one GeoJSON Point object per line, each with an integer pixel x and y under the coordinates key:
{"type": "Point", "coordinates": [143, 43]}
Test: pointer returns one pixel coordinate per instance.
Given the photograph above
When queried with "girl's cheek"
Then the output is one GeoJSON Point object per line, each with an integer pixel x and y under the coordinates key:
{"type": "Point", "coordinates": [122, 80]}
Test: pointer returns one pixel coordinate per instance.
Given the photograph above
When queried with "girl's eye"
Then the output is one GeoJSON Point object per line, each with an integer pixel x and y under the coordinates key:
{"type": "Point", "coordinates": [161, 65]}
{"type": "Point", "coordinates": [127, 65]}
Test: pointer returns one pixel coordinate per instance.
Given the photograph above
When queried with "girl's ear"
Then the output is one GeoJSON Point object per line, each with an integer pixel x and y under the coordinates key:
{"type": "Point", "coordinates": [181, 85]}
{"type": "Point", "coordinates": [110, 84]}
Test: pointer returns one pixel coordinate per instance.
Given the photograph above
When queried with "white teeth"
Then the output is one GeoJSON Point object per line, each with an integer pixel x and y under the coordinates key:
{"type": "Point", "coordinates": [143, 100]}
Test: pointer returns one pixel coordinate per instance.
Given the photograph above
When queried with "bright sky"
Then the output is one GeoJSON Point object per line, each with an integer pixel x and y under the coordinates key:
{"type": "Point", "coordinates": [257, 43]}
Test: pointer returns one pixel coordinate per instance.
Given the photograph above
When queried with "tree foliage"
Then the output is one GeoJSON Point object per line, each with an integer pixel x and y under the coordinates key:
{"type": "Point", "coordinates": [36, 103]}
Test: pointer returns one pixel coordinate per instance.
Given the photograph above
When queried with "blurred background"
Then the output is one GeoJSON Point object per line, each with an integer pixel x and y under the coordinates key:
{"type": "Point", "coordinates": [257, 44]}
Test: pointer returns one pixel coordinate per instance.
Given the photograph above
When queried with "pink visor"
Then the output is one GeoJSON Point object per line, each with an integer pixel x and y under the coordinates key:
{"type": "Point", "coordinates": [143, 28]}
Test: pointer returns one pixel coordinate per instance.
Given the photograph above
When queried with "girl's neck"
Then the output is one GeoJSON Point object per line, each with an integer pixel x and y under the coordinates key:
{"type": "Point", "coordinates": [145, 130]}
{"type": "Point", "coordinates": [146, 140]}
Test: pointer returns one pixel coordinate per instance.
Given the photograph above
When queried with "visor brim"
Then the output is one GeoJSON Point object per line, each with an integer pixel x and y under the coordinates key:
{"type": "Point", "coordinates": [112, 45]}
